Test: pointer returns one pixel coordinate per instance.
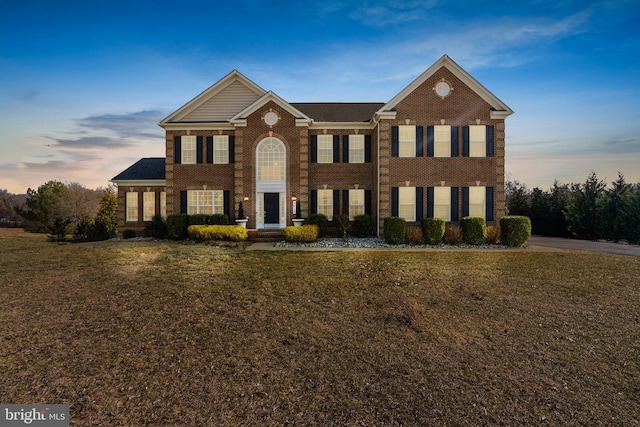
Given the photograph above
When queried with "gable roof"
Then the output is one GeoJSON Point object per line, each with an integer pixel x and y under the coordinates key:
{"type": "Point", "coordinates": [499, 108]}
{"type": "Point", "coordinates": [268, 97]}
{"type": "Point", "coordinates": [145, 169]}
{"type": "Point", "coordinates": [339, 111]}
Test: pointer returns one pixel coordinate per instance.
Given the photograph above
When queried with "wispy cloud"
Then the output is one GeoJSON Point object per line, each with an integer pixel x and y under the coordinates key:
{"type": "Point", "coordinates": [137, 124]}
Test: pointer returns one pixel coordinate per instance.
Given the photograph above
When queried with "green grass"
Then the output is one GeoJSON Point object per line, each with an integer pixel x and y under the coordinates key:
{"type": "Point", "coordinates": [147, 333]}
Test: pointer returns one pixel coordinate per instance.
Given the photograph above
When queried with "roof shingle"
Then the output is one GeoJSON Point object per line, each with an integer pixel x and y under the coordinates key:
{"type": "Point", "coordinates": [148, 168]}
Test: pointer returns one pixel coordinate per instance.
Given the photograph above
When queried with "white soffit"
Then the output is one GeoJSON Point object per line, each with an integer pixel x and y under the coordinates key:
{"type": "Point", "coordinates": [267, 97]}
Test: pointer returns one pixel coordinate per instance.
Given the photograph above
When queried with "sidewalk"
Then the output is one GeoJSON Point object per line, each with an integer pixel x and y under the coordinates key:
{"type": "Point", "coordinates": [584, 245]}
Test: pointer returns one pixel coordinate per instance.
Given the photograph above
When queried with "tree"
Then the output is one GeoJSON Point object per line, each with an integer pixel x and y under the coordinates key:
{"type": "Point", "coordinates": [106, 222]}
{"type": "Point", "coordinates": [613, 210]}
{"type": "Point", "coordinates": [517, 198]}
{"type": "Point", "coordinates": [581, 212]}
{"type": "Point", "coordinates": [46, 206]}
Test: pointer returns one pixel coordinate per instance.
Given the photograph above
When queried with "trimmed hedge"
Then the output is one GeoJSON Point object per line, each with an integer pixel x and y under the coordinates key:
{"type": "Point", "coordinates": [474, 230]}
{"type": "Point", "coordinates": [177, 226]}
{"type": "Point", "coordinates": [233, 233]}
{"type": "Point", "coordinates": [321, 221]}
{"type": "Point", "coordinates": [362, 225]}
{"type": "Point", "coordinates": [305, 234]}
{"type": "Point", "coordinates": [433, 230]}
{"type": "Point", "coordinates": [515, 230]}
{"type": "Point", "coordinates": [394, 230]}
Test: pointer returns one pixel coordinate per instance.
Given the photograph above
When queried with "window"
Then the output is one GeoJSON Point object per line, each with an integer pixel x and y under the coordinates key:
{"type": "Point", "coordinates": [477, 201]}
{"type": "Point", "coordinates": [271, 160]}
{"type": "Point", "coordinates": [189, 150]}
{"type": "Point", "coordinates": [442, 203]}
{"type": "Point", "coordinates": [132, 206]}
{"type": "Point", "coordinates": [356, 148]}
{"type": "Point", "coordinates": [407, 203]}
{"type": "Point", "coordinates": [163, 204]}
{"type": "Point", "coordinates": [221, 149]}
{"type": "Point", "coordinates": [442, 141]}
{"type": "Point", "coordinates": [205, 202]}
{"type": "Point", "coordinates": [406, 141]}
{"type": "Point", "coordinates": [477, 141]}
{"type": "Point", "coordinates": [325, 148]}
{"type": "Point", "coordinates": [325, 203]}
{"type": "Point", "coordinates": [356, 203]}
{"type": "Point", "coordinates": [148, 205]}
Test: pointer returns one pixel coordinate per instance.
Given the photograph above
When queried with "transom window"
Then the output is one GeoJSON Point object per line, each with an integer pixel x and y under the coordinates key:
{"type": "Point", "coordinates": [442, 141]}
{"type": "Point", "coordinates": [189, 149]}
{"type": "Point", "coordinates": [206, 202]}
{"type": "Point", "coordinates": [325, 148]}
{"type": "Point", "coordinates": [271, 160]}
{"type": "Point", "coordinates": [477, 141]}
{"type": "Point", "coordinates": [477, 198]}
{"type": "Point", "coordinates": [356, 148]}
{"type": "Point", "coordinates": [407, 203]}
{"type": "Point", "coordinates": [221, 149]}
{"type": "Point", "coordinates": [148, 205]}
{"type": "Point", "coordinates": [325, 203]}
{"type": "Point", "coordinates": [442, 203]}
{"type": "Point", "coordinates": [406, 141]}
{"type": "Point", "coordinates": [132, 205]}
{"type": "Point", "coordinates": [356, 203]}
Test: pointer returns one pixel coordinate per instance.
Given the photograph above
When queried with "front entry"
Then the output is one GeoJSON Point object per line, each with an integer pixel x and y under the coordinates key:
{"type": "Point", "coordinates": [271, 209]}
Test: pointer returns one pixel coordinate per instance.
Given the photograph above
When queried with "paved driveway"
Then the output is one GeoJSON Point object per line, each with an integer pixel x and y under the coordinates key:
{"type": "Point", "coordinates": [584, 245]}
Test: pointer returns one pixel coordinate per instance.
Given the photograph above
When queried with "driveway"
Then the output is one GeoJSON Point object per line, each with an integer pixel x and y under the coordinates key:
{"type": "Point", "coordinates": [584, 245]}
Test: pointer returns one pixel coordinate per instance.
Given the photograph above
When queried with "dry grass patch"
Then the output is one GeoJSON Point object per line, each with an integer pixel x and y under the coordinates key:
{"type": "Point", "coordinates": [147, 333]}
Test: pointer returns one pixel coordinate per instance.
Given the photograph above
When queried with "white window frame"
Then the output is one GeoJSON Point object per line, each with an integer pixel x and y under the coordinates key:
{"type": "Point", "coordinates": [406, 141]}
{"type": "Point", "coordinates": [325, 149]}
{"type": "Point", "coordinates": [132, 206]}
{"type": "Point", "coordinates": [356, 203]}
{"type": "Point", "coordinates": [477, 201]}
{"type": "Point", "coordinates": [407, 203]}
{"type": "Point", "coordinates": [442, 203]}
{"type": "Point", "coordinates": [442, 141]}
{"type": "Point", "coordinates": [163, 204]}
{"type": "Point", "coordinates": [221, 149]}
{"type": "Point", "coordinates": [206, 202]}
{"type": "Point", "coordinates": [325, 203]}
{"type": "Point", "coordinates": [356, 149]}
{"type": "Point", "coordinates": [189, 148]}
{"type": "Point", "coordinates": [148, 205]}
{"type": "Point", "coordinates": [478, 141]}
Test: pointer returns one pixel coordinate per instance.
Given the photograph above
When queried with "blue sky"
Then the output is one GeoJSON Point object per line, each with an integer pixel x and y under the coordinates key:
{"type": "Point", "coordinates": [84, 84]}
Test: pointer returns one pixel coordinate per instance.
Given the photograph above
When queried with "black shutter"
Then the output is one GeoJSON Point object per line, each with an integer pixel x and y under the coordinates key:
{"type": "Point", "coordinates": [313, 209]}
{"type": "Point", "coordinates": [345, 202]}
{"type": "Point", "coordinates": [490, 143]}
{"type": "Point", "coordinates": [395, 144]}
{"type": "Point", "coordinates": [345, 149]}
{"type": "Point", "coordinates": [430, 141]}
{"type": "Point", "coordinates": [209, 149]}
{"type": "Point", "coordinates": [199, 149]}
{"type": "Point", "coordinates": [313, 149]}
{"type": "Point", "coordinates": [177, 150]}
{"type": "Point", "coordinates": [465, 201]}
{"type": "Point", "coordinates": [419, 139]}
{"type": "Point", "coordinates": [226, 203]}
{"type": "Point", "coordinates": [367, 202]}
{"type": "Point", "coordinates": [455, 215]}
{"type": "Point", "coordinates": [419, 203]}
{"type": "Point", "coordinates": [465, 141]}
{"type": "Point", "coordinates": [336, 148]}
{"type": "Point", "coordinates": [429, 202]}
{"type": "Point", "coordinates": [489, 204]}
{"type": "Point", "coordinates": [454, 141]}
{"type": "Point", "coordinates": [394, 201]}
{"type": "Point", "coordinates": [183, 202]}
{"type": "Point", "coordinates": [336, 203]}
{"type": "Point", "coordinates": [367, 148]}
{"type": "Point", "coordinates": [232, 149]}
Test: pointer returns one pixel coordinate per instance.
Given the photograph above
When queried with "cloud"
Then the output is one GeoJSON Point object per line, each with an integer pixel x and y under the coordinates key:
{"type": "Point", "coordinates": [392, 13]}
{"type": "Point", "coordinates": [138, 124]}
{"type": "Point", "coordinates": [91, 142]}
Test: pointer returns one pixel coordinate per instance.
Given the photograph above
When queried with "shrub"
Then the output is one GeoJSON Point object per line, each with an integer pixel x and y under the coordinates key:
{"type": "Point", "coordinates": [128, 233]}
{"type": "Point", "coordinates": [516, 230]}
{"type": "Point", "coordinates": [305, 234]}
{"type": "Point", "coordinates": [177, 226]}
{"type": "Point", "coordinates": [452, 234]}
{"type": "Point", "coordinates": [342, 225]}
{"type": "Point", "coordinates": [474, 230]}
{"type": "Point", "coordinates": [157, 227]}
{"type": "Point", "coordinates": [321, 221]}
{"type": "Point", "coordinates": [433, 230]}
{"type": "Point", "coordinates": [362, 225]}
{"type": "Point", "coordinates": [233, 233]}
{"type": "Point", "coordinates": [493, 235]}
{"type": "Point", "coordinates": [414, 236]}
{"type": "Point", "coordinates": [218, 219]}
{"type": "Point", "coordinates": [198, 219]}
{"type": "Point", "coordinates": [394, 230]}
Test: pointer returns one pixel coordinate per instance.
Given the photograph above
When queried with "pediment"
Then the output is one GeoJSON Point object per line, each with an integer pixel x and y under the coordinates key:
{"type": "Point", "coordinates": [241, 117]}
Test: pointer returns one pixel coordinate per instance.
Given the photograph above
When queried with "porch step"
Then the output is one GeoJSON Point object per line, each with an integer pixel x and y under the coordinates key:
{"type": "Point", "coordinates": [265, 235]}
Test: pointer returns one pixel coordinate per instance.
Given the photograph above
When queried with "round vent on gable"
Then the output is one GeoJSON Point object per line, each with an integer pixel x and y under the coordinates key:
{"type": "Point", "coordinates": [271, 118]}
{"type": "Point", "coordinates": [443, 89]}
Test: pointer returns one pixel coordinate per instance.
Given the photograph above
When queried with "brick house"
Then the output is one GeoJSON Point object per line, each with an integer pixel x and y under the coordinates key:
{"type": "Point", "coordinates": [436, 149]}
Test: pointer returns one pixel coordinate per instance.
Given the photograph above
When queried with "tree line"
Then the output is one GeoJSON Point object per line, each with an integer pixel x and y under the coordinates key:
{"type": "Point", "coordinates": [591, 210]}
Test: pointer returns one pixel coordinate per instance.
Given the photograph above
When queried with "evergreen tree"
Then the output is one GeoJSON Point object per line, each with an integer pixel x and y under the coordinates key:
{"type": "Point", "coordinates": [582, 210]}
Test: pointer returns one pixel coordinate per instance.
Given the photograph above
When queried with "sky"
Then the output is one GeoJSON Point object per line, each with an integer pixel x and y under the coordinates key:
{"type": "Point", "coordinates": [83, 85]}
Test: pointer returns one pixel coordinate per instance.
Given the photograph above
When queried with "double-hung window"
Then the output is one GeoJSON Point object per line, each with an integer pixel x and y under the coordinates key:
{"type": "Point", "coordinates": [442, 203]}
{"type": "Point", "coordinates": [442, 141]}
{"type": "Point", "coordinates": [356, 203]}
{"type": "Point", "coordinates": [325, 148]}
{"type": "Point", "coordinates": [325, 203]}
{"type": "Point", "coordinates": [356, 149]}
{"type": "Point", "coordinates": [205, 202]}
{"type": "Point", "coordinates": [477, 201]}
{"type": "Point", "coordinates": [148, 205]}
{"type": "Point", "coordinates": [189, 145]}
{"type": "Point", "coordinates": [477, 141]}
{"type": "Point", "coordinates": [221, 149]}
{"type": "Point", "coordinates": [132, 206]}
{"type": "Point", "coordinates": [406, 141]}
{"type": "Point", "coordinates": [407, 203]}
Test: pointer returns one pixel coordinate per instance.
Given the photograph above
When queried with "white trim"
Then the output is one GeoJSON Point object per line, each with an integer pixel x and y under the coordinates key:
{"type": "Point", "coordinates": [198, 126]}
{"type": "Point", "coordinates": [140, 183]}
{"type": "Point", "coordinates": [343, 125]}
{"type": "Point", "coordinates": [461, 74]}
{"type": "Point", "coordinates": [267, 97]}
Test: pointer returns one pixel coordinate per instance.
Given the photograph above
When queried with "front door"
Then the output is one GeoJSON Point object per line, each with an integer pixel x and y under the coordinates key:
{"type": "Point", "coordinates": [271, 208]}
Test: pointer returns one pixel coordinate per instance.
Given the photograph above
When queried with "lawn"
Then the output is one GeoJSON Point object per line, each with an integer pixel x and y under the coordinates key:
{"type": "Point", "coordinates": [163, 333]}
